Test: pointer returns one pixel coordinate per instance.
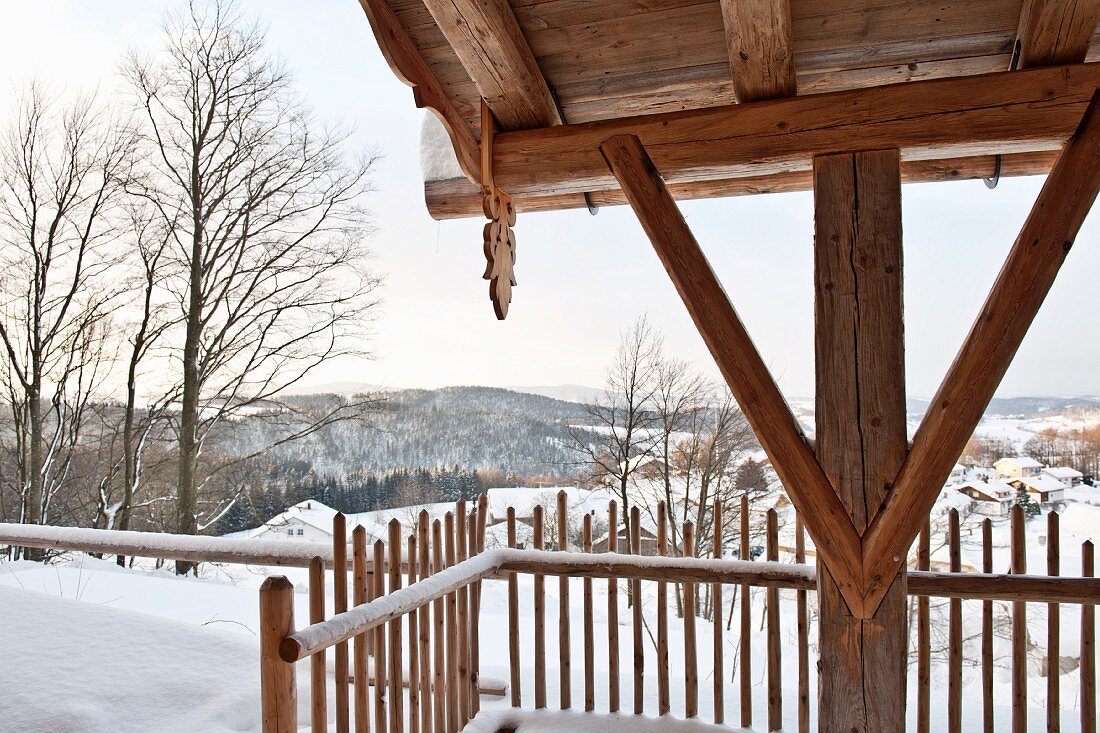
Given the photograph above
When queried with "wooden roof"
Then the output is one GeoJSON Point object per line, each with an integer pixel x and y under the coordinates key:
{"type": "Point", "coordinates": [540, 63]}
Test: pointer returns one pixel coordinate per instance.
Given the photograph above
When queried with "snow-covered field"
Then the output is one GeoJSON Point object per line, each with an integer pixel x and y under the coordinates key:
{"type": "Point", "coordinates": [97, 648]}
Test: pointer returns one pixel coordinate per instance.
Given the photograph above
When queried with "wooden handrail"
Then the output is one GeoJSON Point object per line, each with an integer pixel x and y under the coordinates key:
{"type": "Point", "coordinates": [363, 618]}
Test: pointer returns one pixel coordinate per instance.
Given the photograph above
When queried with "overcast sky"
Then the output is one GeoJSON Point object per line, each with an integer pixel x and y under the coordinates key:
{"type": "Point", "coordinates": [583, 279]}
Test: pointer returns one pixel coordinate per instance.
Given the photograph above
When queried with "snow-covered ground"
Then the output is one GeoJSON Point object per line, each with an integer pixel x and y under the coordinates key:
{"type": "Point", "coordinates": [98, 648]}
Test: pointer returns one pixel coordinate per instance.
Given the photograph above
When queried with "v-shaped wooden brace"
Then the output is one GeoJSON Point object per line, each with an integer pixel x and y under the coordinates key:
{"type": "Point", "coordinates": [864, 564]}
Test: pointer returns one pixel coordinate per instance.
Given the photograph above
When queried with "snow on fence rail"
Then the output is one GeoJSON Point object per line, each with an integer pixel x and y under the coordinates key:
{"type": "Point", "coordinates": [191, 548]}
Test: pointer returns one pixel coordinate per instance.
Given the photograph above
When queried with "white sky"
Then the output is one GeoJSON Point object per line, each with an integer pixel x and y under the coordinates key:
{"type": "Point", "coordinates": [584, 279]}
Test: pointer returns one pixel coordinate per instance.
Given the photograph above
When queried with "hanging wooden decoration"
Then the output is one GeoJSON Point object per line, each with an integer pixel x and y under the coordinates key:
{"type": "Point", "coordinates": [500, 240]}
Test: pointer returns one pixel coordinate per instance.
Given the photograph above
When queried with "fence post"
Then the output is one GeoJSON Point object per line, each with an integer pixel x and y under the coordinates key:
{"type": "Point", "coordinates": [278, 689]}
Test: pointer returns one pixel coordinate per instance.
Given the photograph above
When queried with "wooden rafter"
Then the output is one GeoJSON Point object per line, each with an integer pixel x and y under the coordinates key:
{"type": "Point", "coordinates": [1020, 288]}
{"type": "Point", "coordinates": [492, 49]}
{"type": "Point", "coordinates": [1053, 32]}
{"type": "Point", "coordinates": [1006, 112]}
{"type": "Point", "coordinates": [410, 67]}
{"type": "Point", "coordinates": [456, 197]}
{"type": "Point", "coordinates": [760, 41]}
{"type": "Point", "coordinates": [750, 381]}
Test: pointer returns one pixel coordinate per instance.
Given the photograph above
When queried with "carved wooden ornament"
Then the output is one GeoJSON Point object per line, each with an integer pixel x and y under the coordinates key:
{"type": "Point", "coordinates": [500, 248]}
{"type": "Point", "coordinates": [500, 240]}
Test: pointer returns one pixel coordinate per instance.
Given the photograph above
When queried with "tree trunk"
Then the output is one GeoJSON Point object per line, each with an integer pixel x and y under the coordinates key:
{"type": "Point", "coordinates": [35, 460]}
{"type": "Point", "coordinates": [186, 505]}
{"type": "Point", "coordinates": [861, 429]}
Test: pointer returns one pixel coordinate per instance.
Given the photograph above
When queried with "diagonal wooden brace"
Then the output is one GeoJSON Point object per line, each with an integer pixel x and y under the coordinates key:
{"type": "Point", "coordinates": [954, 413]}
{"type": "Point", "coordinates": [836, 538]}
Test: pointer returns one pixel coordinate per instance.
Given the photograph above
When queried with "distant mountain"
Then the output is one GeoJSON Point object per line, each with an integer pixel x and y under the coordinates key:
{"type": "Point", "coordinates": [468, 427]}
{"type": "Point", "coordinates": [1021, 407]}
{"type": "Point", "coordinates": [567, 392]}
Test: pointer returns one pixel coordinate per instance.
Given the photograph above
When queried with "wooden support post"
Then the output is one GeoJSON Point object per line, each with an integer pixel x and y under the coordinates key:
{"type": "Point", "coordinates": [691, 657]}
{"type": "Point", "coordinates": [427, 694]}
{"type": "Point", "coordinates": [775, 648]}
{"type": "Point", "coordinates": [360, 644]}
{"type": "Point", "coordinates": [1088, 646]}
{"type": "Point", "coordinates": [340, 604]}
{"type": "Point", "coordinates": [803, 627]}
{"type": "Point", "coordinates": [439, 645]}
{"type": "Point", "coordinates": [540, 615]}
{"type": "Point", "coordinates": [463, 619]}
{"type": "Point", "coordinates": [379, 569]}
{"type": "Point", "coordinates": [954, 631]}
{"type": "Point", "coordinates": [662, 616]}
{"type": "Point", "coordinates": [987, 631]}
{"type": "Point", "coordinates": [513, 619]}
{"type": "Point", "coordinates": [861, 430]}
{"type": "Point", "coordinates": [1054, 676]}
{"type": "Point", "coordinates": [589, 637]}
{"type": "Point", "coordinates": [636, 608]}
{"type": "Point", "coordinates": [924, 638]}
{"type": "Point", "coordinates": [718, 643]}
{"type": "Point", "coordinates": [414, 643]}
{"type": "Point", "coordinates": [1018, 549]}
{"type": "Point", "coordinates": [318, 674]}
{"type": "Point", "coordinates": [278, 690]}
{"type": "Point", "coordinates": [613, 682]}
{"type": "Point", "coordinates": [452, 630]}
{"type": "Point", "coordinates": [746, 624]}
{"type": "Point", "coordinates": [397, 698]}
{"type": "Point", "coordinates": [564, 682]}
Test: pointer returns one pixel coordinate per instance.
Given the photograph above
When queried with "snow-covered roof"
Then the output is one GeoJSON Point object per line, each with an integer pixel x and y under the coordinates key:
{"type": "Point", "coordinates": [316, 514]}
{"type": "Point", "coordinates": [1021, 461]}
{"type": "Point", "coordinates": [1063, 472]}
{"type": "Point", "coordinates": [1039, 483]}
{"type": "Point", "coordinates": [991, 488]}
{"type": "Point", "coordinates": [497, 535]}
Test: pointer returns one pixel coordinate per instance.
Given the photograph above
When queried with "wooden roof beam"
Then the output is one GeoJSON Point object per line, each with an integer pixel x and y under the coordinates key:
{"type": "Point", "coordinates": [493, 50]}
{"type": "Point", "coordinates": [1020, 288]}
{"type": "Point", "coordinates": [1004, 112]}
{"type": "Point", "coordinates": [1053, 32]}
{"type": "Point", "coordinates": [760, 42]}
{"type": "Point", "coordinates": [456, 198]}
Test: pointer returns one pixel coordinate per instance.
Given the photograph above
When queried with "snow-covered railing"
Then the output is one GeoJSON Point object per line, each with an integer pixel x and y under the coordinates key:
{"type": "Point", "coordinates": [189, 548]}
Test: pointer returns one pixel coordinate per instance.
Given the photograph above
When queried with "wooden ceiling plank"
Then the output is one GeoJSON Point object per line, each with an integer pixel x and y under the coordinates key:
{"type": "Point", "coordinates": [1006, 112]}
{"type": "Point", "coordinates": [760, 43]}
{"type": "Point", "coordinates": [458, 198]}
{"type": "Point", "coordinates": [488, 41]}
{"type": "Point", "coordinates": [780, 435]}
{"type": "Point", "coordinates": [1019, 291]}
{"type": "Point", "coordinates": [1055, 32]}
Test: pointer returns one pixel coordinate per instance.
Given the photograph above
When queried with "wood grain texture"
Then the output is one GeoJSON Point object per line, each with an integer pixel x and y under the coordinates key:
{"type": "Point", "coordinates": [339, 605]}
{"type": "Point", "coordinates": [860, 413]}
{"type": "Point", "coordinates": [1018, 552]}
{"type": "Point", "coordinates": [1054, 32]}
{"type": "Point", "coordinates": [492, 49]}
{"type": "Point", "coordinates": [1008, 112]}
{"type": "Point", "coordinates": [457, 198]}
{"type": "Point", "coordinates": [739, 361]}
{"type": "Point", "coordinates": [1021, 286]}
{"type": "Point", "coordinates": [361, 581]}
{"type": "Point", "coordinates": [1054, 647]}
{"type": "Point", "coordinates": [760, 41]}
{"type": "Point", "coordinates": [954, 631]}
{"type": "Point", "coordinates": [278, 688]}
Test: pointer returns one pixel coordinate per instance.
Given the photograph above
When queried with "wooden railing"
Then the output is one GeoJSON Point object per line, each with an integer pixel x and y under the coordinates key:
{"type": "Point", "coordinates": [443, 651]}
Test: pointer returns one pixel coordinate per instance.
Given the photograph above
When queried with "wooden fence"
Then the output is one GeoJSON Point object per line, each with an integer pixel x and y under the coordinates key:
{"type": "Point", "coordinates": [441, 606]}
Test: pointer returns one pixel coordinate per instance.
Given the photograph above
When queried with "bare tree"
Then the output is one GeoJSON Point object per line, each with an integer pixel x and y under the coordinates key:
{"type": "Point", "coordinates": [624, 426]}
{"type": "Point", "coordinates": [62, 172]}
{"type": "Point", "coordinates": [266, 223]}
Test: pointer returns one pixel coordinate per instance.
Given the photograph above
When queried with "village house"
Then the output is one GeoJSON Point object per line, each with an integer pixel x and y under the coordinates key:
{"type": "Point", "coordinates": [311, 521]}
{"type": "Point", "coordinates": [991, 498]}
{"type": "Point", "coordinates": [1017, 467]}
{"type": "Point", "coordinates": [1064, 475]}
{"type": "Point", "coordinates": [1044, 490]}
